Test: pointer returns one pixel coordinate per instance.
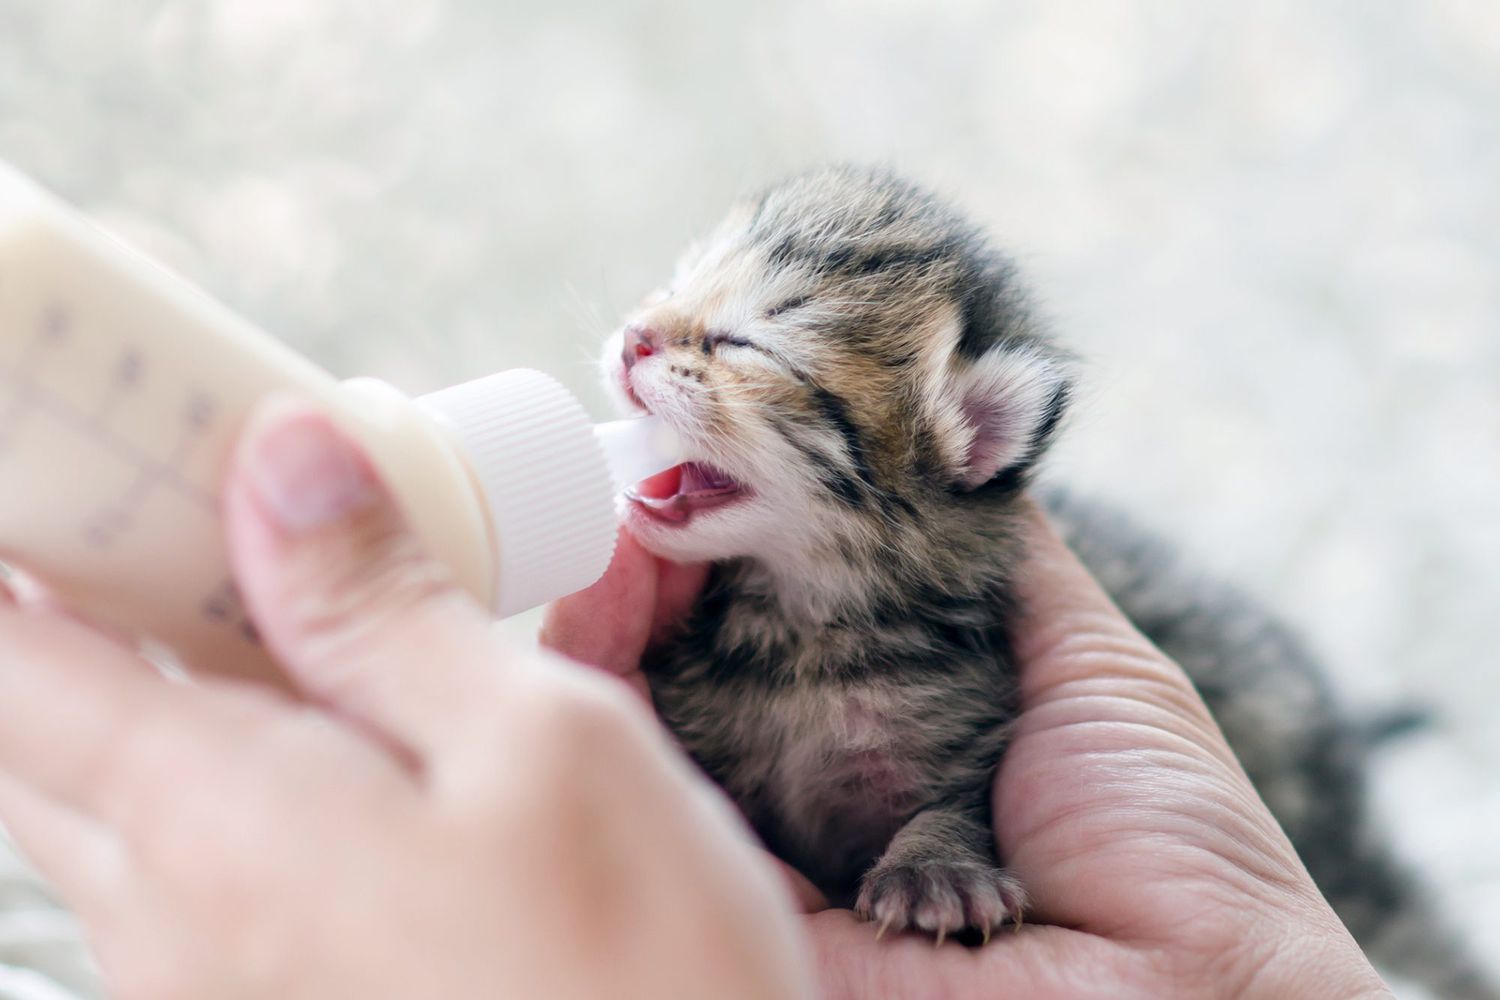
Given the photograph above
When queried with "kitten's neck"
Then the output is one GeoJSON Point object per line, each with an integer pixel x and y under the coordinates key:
{"type": "Point", "coordinates": [808, 596]}
{"type": "Point", "coordinates": [814, 590]}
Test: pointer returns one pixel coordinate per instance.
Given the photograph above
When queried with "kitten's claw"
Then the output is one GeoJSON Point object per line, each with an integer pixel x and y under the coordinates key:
{"type": "Point", "coordinates": [943, 898]}
{"type": "Point", "coordinates": [937, 942]}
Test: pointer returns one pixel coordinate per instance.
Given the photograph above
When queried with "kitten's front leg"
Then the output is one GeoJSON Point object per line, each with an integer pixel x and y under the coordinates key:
{"type": "Point", "coordinates": [939, 874]}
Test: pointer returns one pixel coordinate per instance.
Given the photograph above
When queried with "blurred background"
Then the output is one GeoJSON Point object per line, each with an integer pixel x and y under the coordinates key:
{"type": "Point", "coordinates": [1272, 229]}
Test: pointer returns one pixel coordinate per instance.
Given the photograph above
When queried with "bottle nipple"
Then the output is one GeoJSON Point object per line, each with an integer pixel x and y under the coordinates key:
{"type": "Point", "coordinates": [637, 448]}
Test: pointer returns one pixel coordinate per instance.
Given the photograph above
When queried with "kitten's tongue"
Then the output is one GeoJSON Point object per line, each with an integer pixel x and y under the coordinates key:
{"type": "Point", "coordinates": [682, 489]}
{"type": "Point", "coordinates": [661, 486]}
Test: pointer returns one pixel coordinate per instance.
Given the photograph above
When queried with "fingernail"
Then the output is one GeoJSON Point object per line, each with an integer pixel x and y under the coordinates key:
{"type": "Point", "coordinates": [307, 475]}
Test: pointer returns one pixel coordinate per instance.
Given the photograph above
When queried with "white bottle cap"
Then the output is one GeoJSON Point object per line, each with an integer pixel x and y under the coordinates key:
{"type": "Point", "coordinates": [548, 485]}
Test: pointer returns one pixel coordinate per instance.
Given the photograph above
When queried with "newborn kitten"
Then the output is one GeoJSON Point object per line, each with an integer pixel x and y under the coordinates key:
{"type": "Point", "coordinates": [856, 373]}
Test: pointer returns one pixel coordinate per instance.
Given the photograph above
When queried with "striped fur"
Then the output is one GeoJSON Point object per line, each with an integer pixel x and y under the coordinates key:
{"type": "Point", "coordinates": [865, 363]}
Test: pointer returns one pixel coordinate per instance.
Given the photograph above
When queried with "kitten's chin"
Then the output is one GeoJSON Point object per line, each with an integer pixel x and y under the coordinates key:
{"type": "Point", "coordinates": [704, 535]}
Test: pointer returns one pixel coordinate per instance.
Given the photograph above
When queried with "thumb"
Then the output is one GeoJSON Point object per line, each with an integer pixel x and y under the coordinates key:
{"type": "Point", "coordinates": [610, 624]}
{"type": "Point", "coordinates": [343, 593]}
{"type": "Point", "coordinates": [1112, 729]}
{"type": "Point", "coordinates": [1071, 634]}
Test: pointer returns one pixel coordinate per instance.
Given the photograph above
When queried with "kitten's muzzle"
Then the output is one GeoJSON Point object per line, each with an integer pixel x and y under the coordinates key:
{"type": "Point", "coordinates": [675, 495]}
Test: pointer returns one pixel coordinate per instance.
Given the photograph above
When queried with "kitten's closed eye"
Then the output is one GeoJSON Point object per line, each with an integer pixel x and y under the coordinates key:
{"type": "Point", "coordinates": [718, 338]}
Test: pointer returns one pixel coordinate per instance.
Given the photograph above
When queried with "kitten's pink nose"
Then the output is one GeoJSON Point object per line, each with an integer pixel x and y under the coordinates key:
{"type": "Point", "coordinates": [640, 342]}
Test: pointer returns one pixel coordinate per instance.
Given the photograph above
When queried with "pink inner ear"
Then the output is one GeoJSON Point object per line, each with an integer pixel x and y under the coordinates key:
{"type": "Point", "coordinates": [1009, 397]}
{"type": "Point", "coordinates": [994, 444]}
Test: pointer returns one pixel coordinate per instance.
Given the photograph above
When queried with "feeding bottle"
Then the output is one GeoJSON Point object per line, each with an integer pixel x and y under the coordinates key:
{"type": "Point", "coordinates": [122, 388]}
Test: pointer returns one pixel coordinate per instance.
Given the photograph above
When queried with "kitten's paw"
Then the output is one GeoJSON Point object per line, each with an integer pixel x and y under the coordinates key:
{"type": "Point", "coordinates": [943, 898]}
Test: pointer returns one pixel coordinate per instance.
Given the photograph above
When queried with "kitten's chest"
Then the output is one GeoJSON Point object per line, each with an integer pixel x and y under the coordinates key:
{"type": "Point", "coordinates": [827, 763]}
{"type": "Point", "coordinates": [827, 773]}
{"type": "Point", "coordinates": [830, 741]}
{"type": "Point", "coordinates": [848, 749]}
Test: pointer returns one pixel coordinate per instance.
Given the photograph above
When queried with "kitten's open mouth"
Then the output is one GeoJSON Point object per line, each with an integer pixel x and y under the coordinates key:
{"type": "Point", "coordinates": [683, 490]}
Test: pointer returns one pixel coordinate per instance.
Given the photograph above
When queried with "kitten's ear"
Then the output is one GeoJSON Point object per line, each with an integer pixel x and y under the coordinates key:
{"type": "Point", "coordinates": [1002, 410]}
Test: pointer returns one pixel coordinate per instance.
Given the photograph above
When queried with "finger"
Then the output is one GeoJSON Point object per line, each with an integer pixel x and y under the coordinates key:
{"type": "Point", "coordinates": [677, 589]}
{"type": "Point", "coordinates": [640, 599]}
{"type": "Point", "coordinates": [853, 964]}
{"type": "Point", "coordinates": [1086, 669]}
{"type": "Point", "coordinates": [808, 897]}
{"type": "Point", "coordinates": [29, 593]}
{"type": "Point", "coordinates": [26, 592]}
{"type": "Point", "coordinates": [80, 859]}
{"type": "Point", "coordinates": [84, 723]}
{"type": "Point", "coordinates": [1070, 630]}
{"type": "Point", "coordinates": [342, 591]}
{"type": "Point", "coordinates": [1112, 729]}
{"type": "Point", "coordinates": [608, 624]}
{"type": "Point", "coordinates": [856, 962]}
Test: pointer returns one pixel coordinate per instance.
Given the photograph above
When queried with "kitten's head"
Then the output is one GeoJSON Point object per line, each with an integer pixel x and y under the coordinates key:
{"type": "Point", "coordinates": [855, 375]}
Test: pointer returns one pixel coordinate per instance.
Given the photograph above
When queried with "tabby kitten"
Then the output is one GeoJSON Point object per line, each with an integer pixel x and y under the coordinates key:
{"type": "Point", "coordinates": [858, 377]}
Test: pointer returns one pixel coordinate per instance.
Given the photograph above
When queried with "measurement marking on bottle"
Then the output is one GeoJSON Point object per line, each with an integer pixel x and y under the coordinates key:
{"type": "Point", "coordinates": [224, 607]}
{"type": "Point", "coordinates": [101, 530]}
{"type": "Point", "coordinates": [125, 379]}
{"type": "Point", "coordinates": [54, 328]}
{"type": "Point", "coordinates": [37, 399]}
{"type": "Point", "coordinates": [200, 411]}
{"type": "Point", "coordinates": [30, 399]}
{"type": "Point", "coordinates": [109, 524]}
{"type": "Point", "coordinates": [222, 603]}
{"type": "Point", "coordinates": [56, 323]}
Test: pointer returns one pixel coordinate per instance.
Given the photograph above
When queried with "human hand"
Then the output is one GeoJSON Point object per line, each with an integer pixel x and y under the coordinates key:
{"type": "Point", "coordinates": [1153, 866]}
{"type": "Point", "coordinates": [442, 816]}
